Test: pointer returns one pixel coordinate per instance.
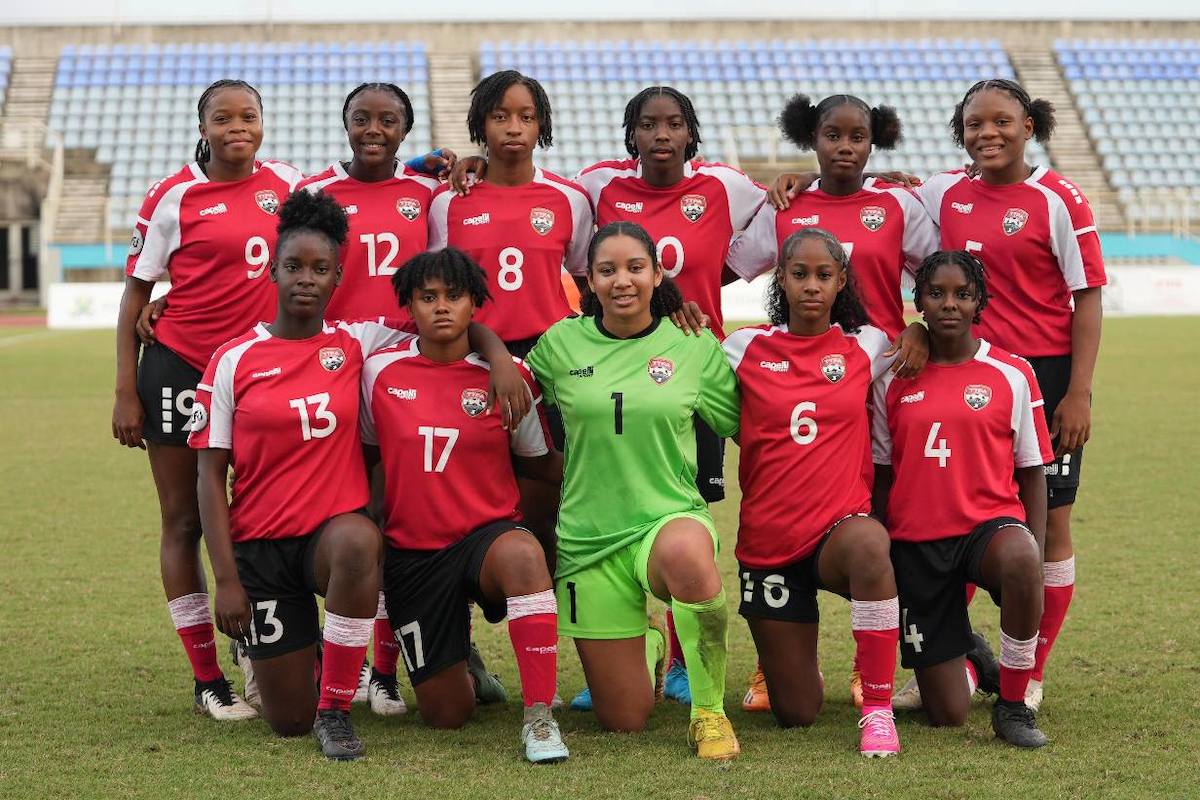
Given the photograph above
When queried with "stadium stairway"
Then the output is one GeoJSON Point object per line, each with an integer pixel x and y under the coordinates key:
{"type": "Point", "coordinates": [451, 79]}
{"type": "Point", "coordinates": [1073, 154]}
{"type": "Point", "coordinates": [28, 101]}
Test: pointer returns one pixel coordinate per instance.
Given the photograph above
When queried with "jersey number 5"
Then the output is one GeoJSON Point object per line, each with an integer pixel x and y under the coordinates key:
{"type": "Point", "coordinates": [322, 413]}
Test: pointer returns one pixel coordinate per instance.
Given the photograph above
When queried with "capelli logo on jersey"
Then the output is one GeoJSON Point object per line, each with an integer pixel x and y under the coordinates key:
{"type": "Point", "coordinates": [351, 209]}
{"type": "Point", "coordinates": [963, 208]}
{"type": "Point", "coordinates": [219, 208]}
{"type": "Point", "coordinates": [915, 397]}
{"type": "Point", "coordinates": [815, 219]}
{"type": "Point", "coordinates": [267, 373]}
{"type": "Point", "coordinates": [977, 396]}
{"type": "Point", "coordinates": [402, 394]}
{"type": "Point", "coordinates": [631, 208]}
{"type": "Point", "coordinates": [776, 366]}
{"type": "Point", "coordinates": [482, 219]}
{"type": "Point", "coordinates": [583, 372]}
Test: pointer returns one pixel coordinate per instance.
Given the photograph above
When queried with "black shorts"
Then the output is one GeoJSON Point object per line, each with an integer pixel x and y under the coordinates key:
{"type": "Point", "coordinates": [787, 593]}
{"type": "Point", "coordinates": [931, 578]}
{"type": "Point", "coordinates": [427, 594]}
{"type": "Point", "coordinates": [520, 348]}
{"type": "Point", "coordinates": [280, 579]}
{"type": "Point", "coordinates": [1062, 475]}
{"type": "Point", "coordinates": [710, 462]}
{"type": "Point", "coordinates": [166, 385]}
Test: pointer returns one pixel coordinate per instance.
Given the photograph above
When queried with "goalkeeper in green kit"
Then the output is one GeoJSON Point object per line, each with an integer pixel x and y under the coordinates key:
{"type": "Point", "coordinates": [627, 383]}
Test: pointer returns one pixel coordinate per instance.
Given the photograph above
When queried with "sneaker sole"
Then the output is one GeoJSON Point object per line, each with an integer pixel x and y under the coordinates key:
{"type": "Point", "coordinates": [879, 753]}
{"type": "Point", "coordinates": [549, 759]}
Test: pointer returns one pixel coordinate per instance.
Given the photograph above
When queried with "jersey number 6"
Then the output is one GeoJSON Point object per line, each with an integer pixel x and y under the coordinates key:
{"type": "Point", "coordinates": [802, 428]}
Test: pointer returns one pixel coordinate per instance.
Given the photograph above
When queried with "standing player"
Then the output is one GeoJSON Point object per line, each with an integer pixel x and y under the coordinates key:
{"type": "Point", "coordinates": [452, 525]}
{"type": "Point", "coordinates": [1033, 230]}
{"type": "Point", "coordinates": [805, 380]}
{"type": "Point", "coordinates": [632, 520]}
{"type": "Point", "coordinates": [211, 228]}
{"type": "Point", "coordinates": [960, 450]}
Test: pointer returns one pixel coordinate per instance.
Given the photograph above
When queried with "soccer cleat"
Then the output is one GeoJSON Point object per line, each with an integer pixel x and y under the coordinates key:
{"type": "Point", "coordinates": [756, 698]}
{"type": "Point", "coordinates": [1016, 724]}
{"type": "Point", "coordinates": [664, 661]}
{"type": "Point", "coordinates": [556, 702]}
{"type": "Point", "coordinates": [711, 735]}
{"type": "Point", "coordinates": [856, 695]}
{"type": "Point", "coordinates": [488, 688]}
{"type": "Point", "coordinates": [1033, 695]}
{"type": "Point", "coordinates": [335, 736]}
{"type": "Point", "coordinates": [908, 698]}
{"type": "Point", "coordinates": [384, 695]}
{"type": "Point", "coordinates": [583, 700]}
{"type": "Point", "coordinates": [878, 738]}
{"type": "Point", "coordinates": [363, 692]}
{"type": "Point", "coordinates": [986, 667]}
{"type": "Point", "coordinates": [675, 684]}
{"type": "Point", "coordinates": [542, 739]}
{"type": "Point", "coordinates": [217, 699]}
{"type": "Point", "coordinates": [239, 656]}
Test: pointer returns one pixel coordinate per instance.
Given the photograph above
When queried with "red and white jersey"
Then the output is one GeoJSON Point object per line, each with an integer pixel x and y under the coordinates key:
{"type": "Point", "coordinates": [883, 227]}
{"type": "Point", "coordinates": [288, 411]}
{"type": "Point", "coordinates": [1037, 240]}
{"type": "Point", "coordinates": [447, 464]}
{"type": "Point", "coordinates": [954, 435]}
{"type": "Point", "coordinates": [389, 224]}
{"type": "Point", "coordinates": [214, 239]}
{"type": "Point", "coordinates": [523, 237]}
{"type": "Point", "coordinates": [692, 221]}
{"type": "Point", "coordinates": [804, 435]}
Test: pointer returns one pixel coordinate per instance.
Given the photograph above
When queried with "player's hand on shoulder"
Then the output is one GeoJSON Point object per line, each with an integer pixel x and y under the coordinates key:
{"type": "Point", "coordinates": [147, 318]}
{"type": "Point", "coordinates": [231, 609]}
{"type": "Point", "coordinates": [509, 394]}
{"type": "Point", "coordinates": [690, 319]}
{"type": "Point", "coordinates": [896, 176]}
{"type": "Point", "coordinates": [466, 172]}
{"type": "Point", "coordinates": [440, 162]}
{"type": "Point", "coordinates": [128, 416]}
{"type": "Point", "coordinates": [1072, 423]}
{"type": "Point", "coordinates": [786, 186]}
{"type": "Point", "coordinates": [911, 349]}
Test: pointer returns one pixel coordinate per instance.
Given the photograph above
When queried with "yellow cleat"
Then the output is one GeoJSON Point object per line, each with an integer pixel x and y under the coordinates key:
{"type": "Point", "coordinates": [711, 736]}
{"type": "Point", "coordinates": [856, 688]}
{"type": "Point", "coordinates": [756, 698]}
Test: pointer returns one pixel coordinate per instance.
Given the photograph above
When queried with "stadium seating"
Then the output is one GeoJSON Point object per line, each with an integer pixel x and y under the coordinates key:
{"type": "Point", "coordinates": [106, 98]}
{"type": "Point", "coordinates": [1141, 103]}
{"type": "Point", "coordinates": [739, 88]}
{"type": "Point", "coordinates": [5, 71]}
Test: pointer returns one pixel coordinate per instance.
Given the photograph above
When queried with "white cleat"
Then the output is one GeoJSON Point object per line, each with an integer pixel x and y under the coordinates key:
{"type": "Point", "coordinates": [385, 696]}
{"type": "Point", "coordinates": [237, 652]}
{"type": "Point", "coordinates": [363, 692]}
{"type": "Point", "coordinates": [217, 700]}
{"type": "Point", "coordinates": [542, 739]}
{"type": "Point", "coordinates": [1033, 694]}
{"type": "Point", "coordinates": [908, 698]}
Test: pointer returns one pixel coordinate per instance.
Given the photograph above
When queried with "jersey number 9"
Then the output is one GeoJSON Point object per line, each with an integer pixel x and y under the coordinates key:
{"type": "Point", "coordinates": [258, 255]}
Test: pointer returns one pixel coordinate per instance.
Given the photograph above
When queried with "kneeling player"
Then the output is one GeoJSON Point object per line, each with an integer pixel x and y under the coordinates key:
{"type": "Point", "coordinates": [805, 380]}
{"type": "Point", "coordinates": [450, 502]}
{"type": "Point", "coordinates": [964, 443]}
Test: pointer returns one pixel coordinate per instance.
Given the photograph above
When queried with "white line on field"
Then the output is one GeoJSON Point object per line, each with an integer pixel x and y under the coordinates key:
{"type": "Point", "coordinates": [26, 337]}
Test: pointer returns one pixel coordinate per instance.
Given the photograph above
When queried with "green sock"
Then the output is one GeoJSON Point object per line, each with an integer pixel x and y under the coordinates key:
{"type": "Point", "coordinates": [655, 648]}
{"type": "Point", "coordinates": [701, 628]}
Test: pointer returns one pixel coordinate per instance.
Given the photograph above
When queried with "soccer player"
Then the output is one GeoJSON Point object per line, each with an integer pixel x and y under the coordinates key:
{"type": "Point", "coordinates": [211, 228]}
{"type": "Point", "coordinates": [280, 405]}
{"type": "Point", "coordinates": [1033, 230]}
{"type": "Point", "coordinates": [805, 381]}
{"type": "Point", "coordinates": [632, 520]}
{"type": "Point", "coordinates": [453, 526]}
{"type": "Point", "coordinates": [960, 451]}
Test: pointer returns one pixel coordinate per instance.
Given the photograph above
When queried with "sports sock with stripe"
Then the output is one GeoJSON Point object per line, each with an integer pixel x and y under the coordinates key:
{"type": "Point", "coordinates": [1058, 591]}
{"type": "Point", "coordinates": [193, 622]}
{"type": "Point", "coordinates": [345, 648]}
{"type": "Point", "coordinates": [1016, 665]}
{"type": "Point", "coordinates": [533, 630]}
{"type": "Point", "coordinates": [387, 650]}
{"type": "Point", "coordinates": [702, 631]}
{"type": "Point", "coordinates": [876, 625]}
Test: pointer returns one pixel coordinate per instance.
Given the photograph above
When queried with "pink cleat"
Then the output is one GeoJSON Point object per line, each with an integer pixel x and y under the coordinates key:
{"type": "Point", "coordinates": [879, 738]}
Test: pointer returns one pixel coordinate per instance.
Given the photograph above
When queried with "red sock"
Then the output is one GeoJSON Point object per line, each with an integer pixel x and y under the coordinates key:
{"type": "Point", "coordinates": [876, 625]}
{"type": "Point", "coordinates": [971, 592]}
{"type": "Point", "coordinates": [1016, 665]}
{"type": "Point", "coordinates": [193, 623]}
{"type": "Point", "coordinates": [1059, 588]}
{"type": "Point", "coordinates": [533, 629]}
{"type": "Point", "coordinates": [387, 651]}
{"type": "Point", "coordinates": [972, 676]}
{"type": "Point", "coordinates": [676, 647]}
{"type": "Point", "coordinates": [345, 648]}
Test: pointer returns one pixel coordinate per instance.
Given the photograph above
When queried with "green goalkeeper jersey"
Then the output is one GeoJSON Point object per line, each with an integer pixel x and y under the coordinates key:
{"type": "Point", "coordinates": [627, 407]}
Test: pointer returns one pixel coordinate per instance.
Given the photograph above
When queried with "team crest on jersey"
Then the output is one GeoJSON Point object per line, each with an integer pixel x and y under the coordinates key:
{"type": "Point", "coordinates": [267, 200]}
{"type": "Point", "coordinates": [1014, 220]}
{"type": "Point", "coordinates": [661, 370]}
{"type": "Point", "coordinates": [542, 220]}
{"type": "Point", "coordinates": [872, 217]}
{"type": "Point", "coordinates": [331, 358]}
{"type": "Point", "coordinates": [409, 208]}
{"type": "Point", "coordinates": [474, 401]}
{"type": "Point", "coordinates": [692, 206]}
{"type": "Point", "coordinates": [833, 367]}
{"type": "Point", "coordinates": [135, 243]}
{"type": "Point", "coordinates": [977, 395]}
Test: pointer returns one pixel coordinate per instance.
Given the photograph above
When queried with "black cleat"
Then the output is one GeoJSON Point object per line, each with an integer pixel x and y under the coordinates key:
{"type": "Point", "coordinates": [488, 688]}
{"type": "Point", "coordinates": [1016, 724]}
{"type": "Point", "coordinates": [335, 736]}
{"type": "Point", "coordinates": [986, 667]}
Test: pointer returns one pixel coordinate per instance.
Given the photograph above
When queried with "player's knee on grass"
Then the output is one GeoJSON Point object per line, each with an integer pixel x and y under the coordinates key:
{"type": "Point", "coordinates": [630, 715]}
{"type": "Point", "coordinates": [944, 694]}
{"type": "Point", "coordinates": [288, 691]}
{"type": "Point", "coordinates": [446, 699]}
{"type": "Point", "coordinates": [795, 700]}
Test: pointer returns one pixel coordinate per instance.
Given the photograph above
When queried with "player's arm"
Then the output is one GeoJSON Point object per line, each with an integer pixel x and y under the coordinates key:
{"type": "Point", "coordinates": [1031, 488]}
{"type": "Point", "coordinates": [128, 414]}
{"type": "Point", "coordinates": [719, 402]}
{"type": "Point", "coordinates": [370, 455]}
{"type": "Point", "coordinates": [547, 468]}
{"type": "Point", "coordinates": [507, 389]}
{"type": "Point", "coordinates": [1072, 423]}
{"type": "Point", "coordinates": [911, 350]}
{"type": "Point", "coordinates": [231, 606]}
{"type": "Point", "coordinates": [880, 491]}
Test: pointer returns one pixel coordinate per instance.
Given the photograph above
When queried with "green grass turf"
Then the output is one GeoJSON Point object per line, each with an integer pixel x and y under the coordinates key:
{"type": "Point", "coordinates": [95, 694]}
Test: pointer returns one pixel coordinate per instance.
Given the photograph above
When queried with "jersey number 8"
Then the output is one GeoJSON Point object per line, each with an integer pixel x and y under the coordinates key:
{"type": "Point", "coordinates": [510, 278]}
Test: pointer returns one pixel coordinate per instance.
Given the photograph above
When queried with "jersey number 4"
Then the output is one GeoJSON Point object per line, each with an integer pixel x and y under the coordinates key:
{"type": "Point", "coordinates": [935, 447]}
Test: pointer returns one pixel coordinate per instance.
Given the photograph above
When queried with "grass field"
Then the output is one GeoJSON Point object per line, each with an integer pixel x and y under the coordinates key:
{"type": "Point", "coordinates": [95, 695]}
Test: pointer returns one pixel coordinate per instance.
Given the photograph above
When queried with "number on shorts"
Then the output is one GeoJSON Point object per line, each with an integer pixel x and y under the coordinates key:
{"type": "Point", "coordinates": [803, 429]}
{"type": "Point", "coordinates": [269, 621]}
{"type": "Point", "coordinates": [510, 276]}
{"type": "Point", "coordinates": [938, 449]}
{"type": "Point", "coordinates": [322, 413]}
{"type": "Point", "coordinates": [774, 590]}
{"type": "Point", "coordinates": [258, 255]}
{"type": "Point", "coordinates": [374, 266]}
{"type": "Point", "coordinates": [417, 659]}
{"type": "Point", "coordinates": [676, 245]}
{"type": "Point", "coordinates": [571, 596]}
{"type": "Point", "coordinates": [429, 433]}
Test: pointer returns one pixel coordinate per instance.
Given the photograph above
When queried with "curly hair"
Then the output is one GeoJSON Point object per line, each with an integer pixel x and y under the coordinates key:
{"type": "Point", "coordinates": [312, 211]}
{"type": "Point", "coordinates": [847, 311]}
{"type": "Point", "coordinates": [972, 267]}
{"type": "Point", "coordinates": [666, 298]}
{"type": "Point", "coordinates": [453, 267]}
{"type": "Point", "coordinates": [800, 120]}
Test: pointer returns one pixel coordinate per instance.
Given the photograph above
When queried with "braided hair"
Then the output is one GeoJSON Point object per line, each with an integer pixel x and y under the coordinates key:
{"type": "Point", "coordinates": [1039, 110]}
{"type": "Point", "coordinates": [488, 94]}
{"type": "Point", "coordinates": [405, 103]}
{"type": "Point", "coordinates": [633, 111]}
{"type": "Point", "coordinates": [971, 266]}
{"type": "Point", "coordinates": [203, 149]}
{"type": "Point", "coordinates": [847, 311]}
{"type": "Point", "coordinates": [452, 266]}
{"type": "Point", "coordinates": [314, 212]}
{"type": "Point", "coordinates": [800, 120]}
{"type": "Point", "coordinates": [666, 298]}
